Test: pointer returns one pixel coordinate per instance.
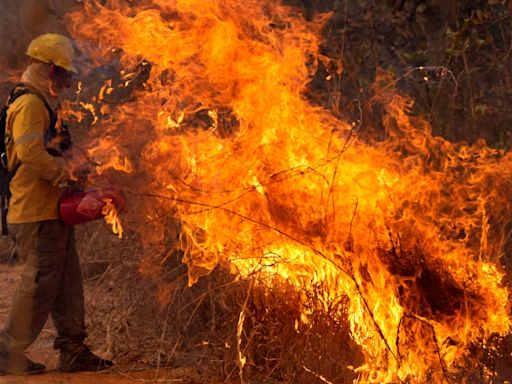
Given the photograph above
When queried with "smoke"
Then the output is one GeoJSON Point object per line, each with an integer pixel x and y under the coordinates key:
{"type": "Point", "coordinates": [22, 21]}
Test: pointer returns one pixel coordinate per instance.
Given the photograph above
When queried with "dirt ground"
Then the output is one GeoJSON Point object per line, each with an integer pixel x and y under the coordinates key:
{"type": "Point", "coordinates": [43, 352]}
{"type": "Point", "coordinates": [101, 378]}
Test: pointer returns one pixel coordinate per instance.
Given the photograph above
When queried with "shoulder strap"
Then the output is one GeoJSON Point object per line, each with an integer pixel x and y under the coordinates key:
{"type": "Point", "coordinates": [15, 93]}
{"type": "Point", "coordinates": [22, 89]}
{"type": "Point", "coordinates": [18, 91]}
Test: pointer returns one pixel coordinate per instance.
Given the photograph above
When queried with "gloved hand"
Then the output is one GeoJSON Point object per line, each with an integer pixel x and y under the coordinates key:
{"type": "Point", "coordinates": [58, 141]}
{"type": "Point", "coordinates": [79, 178]}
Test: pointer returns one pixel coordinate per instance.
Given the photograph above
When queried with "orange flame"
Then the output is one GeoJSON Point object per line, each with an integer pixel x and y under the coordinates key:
{"type": "Point", "coordinates": [222, 134]}
{"type": "Point", "coordinates": [109, 211]}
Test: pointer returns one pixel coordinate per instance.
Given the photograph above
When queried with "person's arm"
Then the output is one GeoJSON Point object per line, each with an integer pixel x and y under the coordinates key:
{"type": "Point", "coordinates": [28, 134]}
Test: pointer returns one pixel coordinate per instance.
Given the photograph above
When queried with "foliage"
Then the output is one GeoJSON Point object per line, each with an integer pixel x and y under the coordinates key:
{"type": "Point", "coordinates": [465, 46]}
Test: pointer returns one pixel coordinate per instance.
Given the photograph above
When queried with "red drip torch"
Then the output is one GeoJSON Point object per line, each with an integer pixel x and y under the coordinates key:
{"type": "Point", "coordinates": [82, 207]}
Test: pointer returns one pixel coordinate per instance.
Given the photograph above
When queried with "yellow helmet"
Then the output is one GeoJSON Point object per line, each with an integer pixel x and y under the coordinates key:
{"type": "Point", "coordinates": [53, 49]}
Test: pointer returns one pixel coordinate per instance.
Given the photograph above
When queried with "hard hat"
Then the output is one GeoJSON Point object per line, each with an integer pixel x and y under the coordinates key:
{"type": "Point", "coordinates": [53, 49]}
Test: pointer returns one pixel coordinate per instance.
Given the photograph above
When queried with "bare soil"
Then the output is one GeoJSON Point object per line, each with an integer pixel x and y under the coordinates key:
{"type": "Point", "coordinates": [43, 352]}
{"type": "Point", "coordinates": [114, 377]}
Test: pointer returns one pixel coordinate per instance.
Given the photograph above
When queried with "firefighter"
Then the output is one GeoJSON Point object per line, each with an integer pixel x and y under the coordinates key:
{"type": "Point", "coordinates": [51, 282]}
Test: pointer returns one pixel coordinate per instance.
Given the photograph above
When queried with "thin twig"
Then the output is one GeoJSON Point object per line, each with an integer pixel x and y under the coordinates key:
{"type": "Point", "coordinates": [318, 376]}
{"type": "Point", "coordinates": [374, 320]}
{"type": "Point", "coordinates": [350, 240]}
{"type": "Point", "coordinates": [443, 71]}
{"type": "Point", "coordinates": [438, 350]}
{"type": "Point", "coordinates": [239, 330]}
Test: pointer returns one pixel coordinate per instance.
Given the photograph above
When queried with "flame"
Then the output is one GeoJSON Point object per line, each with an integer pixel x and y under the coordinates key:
{"type": "Point", "coordinates": [109, 212]}
{"type": "Point", "coordinates": [222, 135]}
{"type": "Point", "coordinates": [106, 155]}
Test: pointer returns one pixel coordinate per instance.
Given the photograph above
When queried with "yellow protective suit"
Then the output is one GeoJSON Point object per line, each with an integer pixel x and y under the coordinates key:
{"type": "Point", "coordinates": [34, 188]}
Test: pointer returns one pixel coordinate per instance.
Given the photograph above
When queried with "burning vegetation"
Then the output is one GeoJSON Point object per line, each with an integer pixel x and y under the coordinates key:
{"type": "Point", "coordinates": [380, 257]}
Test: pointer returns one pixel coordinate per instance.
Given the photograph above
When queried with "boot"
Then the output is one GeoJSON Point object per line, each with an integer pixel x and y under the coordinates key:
{"type": "Point", "coordinates": [19, 364]}
{"type": "Point", "coordinates": [82, 360]}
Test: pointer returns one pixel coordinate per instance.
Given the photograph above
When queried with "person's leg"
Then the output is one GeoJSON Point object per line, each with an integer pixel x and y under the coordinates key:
{"type": "Point", "coordinates": [43, 248]}
{"type": "Point", "coordinates": [68, 316]}
{"type": "Point", "coordinates": [68, 311]}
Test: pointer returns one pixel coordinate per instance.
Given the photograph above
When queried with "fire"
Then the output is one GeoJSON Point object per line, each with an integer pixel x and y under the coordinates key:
{"type": "Point", "coordinates": [109, 211]}
{"type": "Point", "coordinates": [221, 136]}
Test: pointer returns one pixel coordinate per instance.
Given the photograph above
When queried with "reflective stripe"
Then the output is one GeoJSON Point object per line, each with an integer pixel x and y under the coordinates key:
{"type": "Point", "coordinates": [28, 137]}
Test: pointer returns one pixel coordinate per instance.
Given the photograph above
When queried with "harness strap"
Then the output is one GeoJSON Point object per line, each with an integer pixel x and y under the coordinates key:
{"type": "Point", "coordinates": [4, 206]}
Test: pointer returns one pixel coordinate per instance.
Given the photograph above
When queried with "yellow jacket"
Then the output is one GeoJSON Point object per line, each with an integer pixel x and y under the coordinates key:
{"type": "Point", "coordinates": [34, 188]}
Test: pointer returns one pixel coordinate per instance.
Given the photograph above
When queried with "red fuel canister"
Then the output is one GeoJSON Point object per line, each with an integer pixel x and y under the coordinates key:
{"type": "Point", "coordinates": [85, 206]}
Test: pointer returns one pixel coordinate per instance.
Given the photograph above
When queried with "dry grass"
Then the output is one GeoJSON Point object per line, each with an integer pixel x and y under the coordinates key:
{"type": "Point", "coordinates": [157, 320]}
